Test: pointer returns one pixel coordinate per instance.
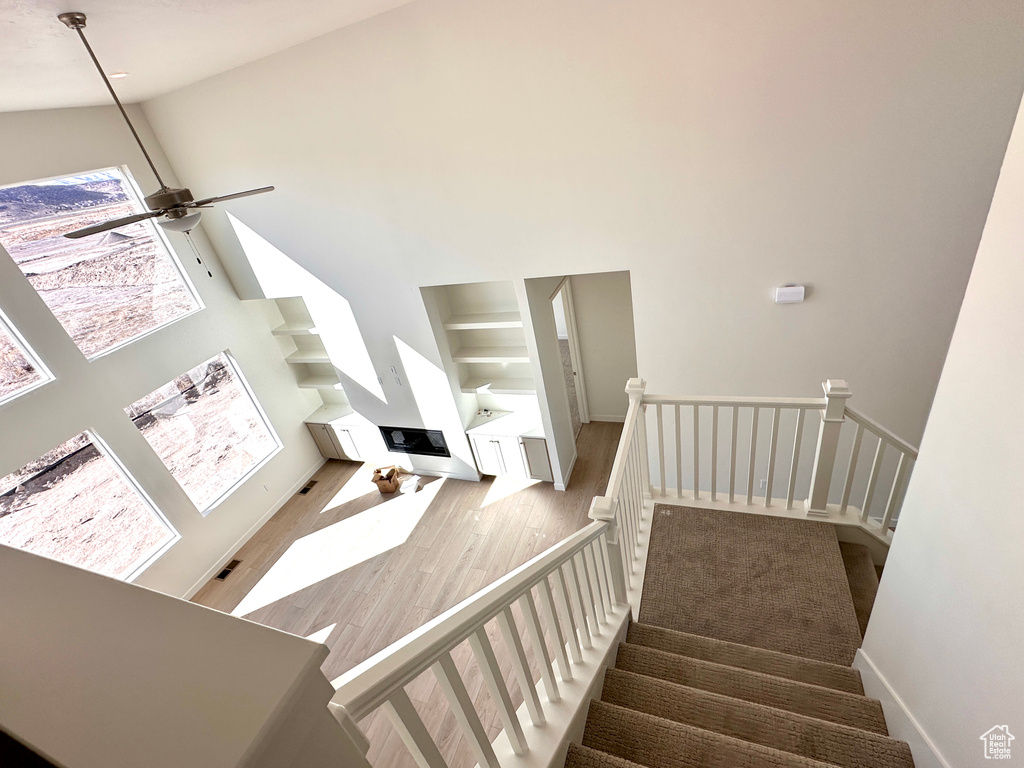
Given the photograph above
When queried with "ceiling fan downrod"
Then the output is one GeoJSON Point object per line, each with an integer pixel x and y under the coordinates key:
{"type": "Point", "coordinates": [76, 20]}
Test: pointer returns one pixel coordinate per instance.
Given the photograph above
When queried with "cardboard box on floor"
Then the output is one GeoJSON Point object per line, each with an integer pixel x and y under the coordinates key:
{"type": "Point", "coordinates": [387, 479]}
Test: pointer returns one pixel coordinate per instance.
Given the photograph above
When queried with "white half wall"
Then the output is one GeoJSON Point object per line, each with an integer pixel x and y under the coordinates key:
{"type": "Point", "coordinates": [947, 624]}
{"type": "Point", "coordinates": [92, 395]}
{"type": "Point", "coordinates": [715, 150]}
{"type": "Point", "coordinates": [604, 319]}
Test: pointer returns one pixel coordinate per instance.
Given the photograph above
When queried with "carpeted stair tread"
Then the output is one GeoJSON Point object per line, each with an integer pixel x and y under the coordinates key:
{"type": "Point", "coordinates": [659, 743]}
{"type": "Point", "coordinates": [863, 579]}
{"type": "Point", "coordinates": [579, 756]}
{"type": "Point", "coordinates": [810, 737]}
{"type": "Point", "coordinates": [747, 657]}
{"type": "Point", "coordinates": [812, 700]}
{"type": "Point", "coordinates": [765, 581]}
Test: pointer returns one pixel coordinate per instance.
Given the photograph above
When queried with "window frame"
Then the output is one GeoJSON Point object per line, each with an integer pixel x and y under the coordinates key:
{"type": "Point", "coordinates": [237, 484]}
{"type": "Point", "coordinates": [135, 191]}
{"type": "Point", "coordinates": [148, 559]}
{"type": "Point", "coordinates": [22, 345]}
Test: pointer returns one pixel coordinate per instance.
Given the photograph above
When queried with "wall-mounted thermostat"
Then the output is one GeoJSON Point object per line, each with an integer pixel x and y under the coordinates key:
{"type": "Point", "coordinates": [789, 294]}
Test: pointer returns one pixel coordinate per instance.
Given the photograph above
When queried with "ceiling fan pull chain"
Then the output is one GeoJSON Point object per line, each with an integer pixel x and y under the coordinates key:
{"type": "Point", "coordinates": [195, 250]}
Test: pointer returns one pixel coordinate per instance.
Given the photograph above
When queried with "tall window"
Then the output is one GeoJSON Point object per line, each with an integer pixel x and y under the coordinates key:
{"type": "Point", "coordinates": [75, 504]}
{"type": "Point", "coordinates": [207, 429]}
{"type": "Point", "coordinates": [106, 289]}
{"type": "Point", "coordinates": [19, 368]}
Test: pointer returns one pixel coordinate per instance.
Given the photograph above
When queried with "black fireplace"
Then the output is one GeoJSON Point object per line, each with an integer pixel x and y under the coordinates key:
{"type": "Point", "coordinates": [422, 442]}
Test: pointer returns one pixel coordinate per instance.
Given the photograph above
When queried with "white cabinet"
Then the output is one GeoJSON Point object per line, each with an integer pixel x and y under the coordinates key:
{"type": "Point", "coordinates": [535, 454]}
{"type": "Point", "coordinates": [508, 445]}
{"type": "Point", "coordinates": [340, 433]}
{"type": "Point", "coordinates": [499, 455]}
{"type": "Point", "coordinates": [336, 441]}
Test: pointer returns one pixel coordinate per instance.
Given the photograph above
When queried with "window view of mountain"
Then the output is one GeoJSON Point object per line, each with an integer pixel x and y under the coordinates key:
{"type": "Point", "coordinates": [105, 289]}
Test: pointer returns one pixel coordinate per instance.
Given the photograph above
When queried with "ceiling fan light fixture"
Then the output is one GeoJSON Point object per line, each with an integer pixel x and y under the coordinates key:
{"type": "Point", "coordinates": [181, 223]}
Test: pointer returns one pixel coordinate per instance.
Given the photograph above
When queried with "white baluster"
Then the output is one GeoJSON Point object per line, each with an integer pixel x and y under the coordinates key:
{"type": "Point", "coordinates": [585, 622]}
{"type": "Point", "coordinates": [679, 456]}
{"type": "Point", "coordinates": [461, 706]}
{"type": "Point", "coordinates": [661, 450]}
{"type": "Point", "coordinates": [901, 475]}
{"type": "Point", "coordinates": [594, 599]}
{"type": "Point", "coordinates": [753, 455]}
{"type": "Point", "coordinates": [696, 452]}
{"type": "Point", "coordinates": [540, 648]}
{"type": "Point", "coordinates": [565, 603]}
{"type": "Point", "coordinates": [547, 603]}
{"type": "Point", "coordinates": [732, 455]}
{"type": "Point", "coordinates": [510, 633]}
{"type": "Point", "coordinates": [851, 469]}
{"type": "Point", "coordinates": [797, 438]}
{"type": "Point", "coordinates": [771, 457]}
{"type": "Point", "coordinates": [412, 731]}
{"type": "Point", "coordinates": [714, 453]}
{"type": "Point", "coordinates": [491, 671]}
{"type": "Point", "coordinates": [876, 468]}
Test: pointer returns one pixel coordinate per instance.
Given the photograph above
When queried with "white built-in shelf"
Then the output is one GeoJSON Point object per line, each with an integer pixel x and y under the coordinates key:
{"type": "Point", "coordinates": [296, 329]}
{"type": "Point", "coordinates": [492, 355]}
{"type": "Point", "coordinates": [500, 387]}
{"type": "Point", "coordinates": [482, 321]}
{"type": "Point", "coordinates": [304, 356]}
{"type": "Point", "coordinates": [320, 382]}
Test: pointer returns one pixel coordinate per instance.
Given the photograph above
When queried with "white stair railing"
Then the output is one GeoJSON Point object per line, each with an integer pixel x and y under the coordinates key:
{"type": "Point", "coordinates": [753, 453]}
{"type": "Point", "coordinates": [582, 586]}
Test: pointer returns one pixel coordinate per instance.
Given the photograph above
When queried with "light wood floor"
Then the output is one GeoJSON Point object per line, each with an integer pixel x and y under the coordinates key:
{"type": "Point", "coordinates": [425, 552]}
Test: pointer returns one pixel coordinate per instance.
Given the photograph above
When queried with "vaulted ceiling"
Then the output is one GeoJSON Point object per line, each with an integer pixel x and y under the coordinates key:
{"type": "Point", "coordinates": [163, 44]}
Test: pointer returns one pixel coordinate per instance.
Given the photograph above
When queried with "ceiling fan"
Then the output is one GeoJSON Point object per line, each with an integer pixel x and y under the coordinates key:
{"type": "Point", "coordinates": [175, 208]}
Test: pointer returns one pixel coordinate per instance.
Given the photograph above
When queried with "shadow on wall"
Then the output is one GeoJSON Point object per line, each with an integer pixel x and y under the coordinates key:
{"type": "Point", "coordinates": [280, 277]}
{"type": "Point", "coordinates": [432, 392]}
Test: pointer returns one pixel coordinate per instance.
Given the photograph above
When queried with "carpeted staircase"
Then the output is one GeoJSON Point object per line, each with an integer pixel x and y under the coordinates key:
{"type": "Point", "coordinates": [684, 699]}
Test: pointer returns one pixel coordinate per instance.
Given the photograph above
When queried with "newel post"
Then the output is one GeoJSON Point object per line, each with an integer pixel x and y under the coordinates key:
{"type": "Point", "coordinates": [836, 395]}
{"type": "Point", "coordinates": [635, 389]}
{"type": "Point", "coordinates": [603, 508]}
{"type": "Point", "coordinates": [355, 745]}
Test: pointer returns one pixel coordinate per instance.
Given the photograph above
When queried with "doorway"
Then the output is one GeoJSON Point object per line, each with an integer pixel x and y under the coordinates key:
{"type": "Point", "coordinates": [569, 348]}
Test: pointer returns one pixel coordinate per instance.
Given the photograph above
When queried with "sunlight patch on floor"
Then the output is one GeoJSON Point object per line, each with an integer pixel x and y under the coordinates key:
{"type": "Point", "coordinates": [340, 546]}
{"type": "Point", "coordinates": [503, 487]}
{"type": "Point", "coordinates": [321, 635]}
{"type": "Point", "coordinates": [359, 485]}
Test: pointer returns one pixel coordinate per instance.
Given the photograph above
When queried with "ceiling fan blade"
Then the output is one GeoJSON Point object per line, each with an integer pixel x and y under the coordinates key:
{"type": "Point", "coordinates": [112, 224]}
{"type": "Point", "coordinates": [209, 200]}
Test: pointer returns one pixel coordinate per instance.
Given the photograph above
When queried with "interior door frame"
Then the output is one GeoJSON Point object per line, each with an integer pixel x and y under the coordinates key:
{"type": "Point", "coordinates": [575, 358]}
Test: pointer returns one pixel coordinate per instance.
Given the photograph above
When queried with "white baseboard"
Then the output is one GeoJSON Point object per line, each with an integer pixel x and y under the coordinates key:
{"type": "Point", "coordinates": [616, 419]}
{"type": "Point", "coordinates": [901, 722]}
{"type": "Point", "coordinates": [303, 479]}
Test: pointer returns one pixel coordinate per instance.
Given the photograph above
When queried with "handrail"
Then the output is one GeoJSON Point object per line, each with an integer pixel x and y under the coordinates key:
{"type": "Point", "coordinates": [618, 470]}
{"type": "Point", "coordinates": [881, 432]}
{"type": "Point", "coordinates": [741, 402]}
{"type": "Point", "coordinates": [370, 684]}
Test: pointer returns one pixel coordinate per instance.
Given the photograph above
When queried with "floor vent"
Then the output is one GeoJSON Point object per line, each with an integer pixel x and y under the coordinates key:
{"type": "Point", "coordinates": [228, 569]}
{"type": "Point", "coordinates": [307, 488]}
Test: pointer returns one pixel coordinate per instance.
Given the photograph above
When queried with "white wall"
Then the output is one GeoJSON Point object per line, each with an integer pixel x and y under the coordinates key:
{"type": "Point", "coordinates": [949, 617]}
{"type": "Point", "coordinates": [91, 395]}
{"type": "Point", "coordinates": [99, 673]}
{"type": "Point", "coordinates": [713, 149]}
{"type": "Point", "coordinates": [604, 319]}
